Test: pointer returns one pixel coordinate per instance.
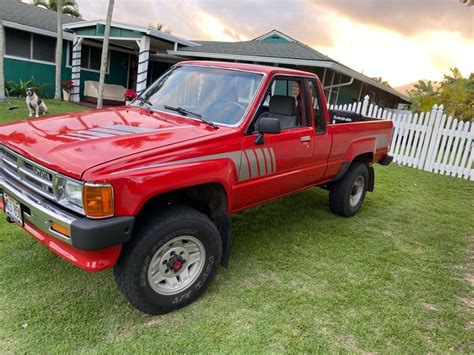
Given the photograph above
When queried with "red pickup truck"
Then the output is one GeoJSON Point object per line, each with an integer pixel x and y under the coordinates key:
{"type": "Point", "coordinates": [148, 188]}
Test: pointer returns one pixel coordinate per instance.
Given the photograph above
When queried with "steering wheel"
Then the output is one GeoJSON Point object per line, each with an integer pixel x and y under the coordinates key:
{"type": "Point", "coordinates": [233, 103]}
{"type": "Point", "coordinates": [230, 104]}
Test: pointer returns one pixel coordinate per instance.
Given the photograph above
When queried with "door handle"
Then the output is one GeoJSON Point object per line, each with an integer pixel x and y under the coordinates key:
{"type": "Point", "coordinates": [305, 139]}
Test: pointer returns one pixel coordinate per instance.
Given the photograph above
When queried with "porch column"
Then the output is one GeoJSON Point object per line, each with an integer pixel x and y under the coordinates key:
{"type": "Point", "coordinates": [76, 69]}
{"type": "Point", "coordinates": [143, 56]}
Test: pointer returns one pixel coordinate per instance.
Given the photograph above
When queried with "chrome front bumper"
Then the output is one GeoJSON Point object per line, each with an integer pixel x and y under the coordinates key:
{"type": "Point", "coordinates": [83, 233]}
{"type": "Point", "coordinates": [38, 211]}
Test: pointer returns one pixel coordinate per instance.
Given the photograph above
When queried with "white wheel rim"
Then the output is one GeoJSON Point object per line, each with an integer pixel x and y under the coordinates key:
{"type": "Point", "coordinates": [357, 190]}
{"type": "Point", "coordinates": [176, 265]}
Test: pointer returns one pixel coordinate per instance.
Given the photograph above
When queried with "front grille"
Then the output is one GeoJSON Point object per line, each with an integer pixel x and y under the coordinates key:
{"type": "Point", "coordinates": [33, 175]}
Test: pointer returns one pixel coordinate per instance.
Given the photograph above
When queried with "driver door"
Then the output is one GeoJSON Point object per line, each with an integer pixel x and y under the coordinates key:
{"type": "Point", "coordinates": [281, 164]}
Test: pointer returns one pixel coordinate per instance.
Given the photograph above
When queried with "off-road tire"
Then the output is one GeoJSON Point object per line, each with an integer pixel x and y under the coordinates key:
{"type": "Point", "coordinates": [131, 271]}
{"type": "Point", "coordinates": [341, 190]}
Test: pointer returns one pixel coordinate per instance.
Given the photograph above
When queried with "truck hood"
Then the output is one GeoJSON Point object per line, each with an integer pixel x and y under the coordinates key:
{"type": "Point", "coordinates": [73, 143]}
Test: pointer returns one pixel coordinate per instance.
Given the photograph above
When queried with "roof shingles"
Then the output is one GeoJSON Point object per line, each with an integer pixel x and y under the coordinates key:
{"type": "Point", "coordinates": [31, 15]}
{"type": "Point", "coordinates": [293, 50]}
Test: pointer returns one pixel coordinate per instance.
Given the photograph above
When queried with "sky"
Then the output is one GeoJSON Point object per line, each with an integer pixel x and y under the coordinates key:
{"type": "Point", "coordinates": [399, 40]}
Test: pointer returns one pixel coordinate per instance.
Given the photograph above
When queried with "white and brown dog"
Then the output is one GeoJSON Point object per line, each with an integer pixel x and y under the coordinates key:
{"type": "Point", "coordinates": [35, 104]}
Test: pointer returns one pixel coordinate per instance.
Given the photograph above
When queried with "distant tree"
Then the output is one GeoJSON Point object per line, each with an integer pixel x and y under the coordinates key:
{"type": "Point", "coordinates": [381, 81]}
{"type": "Point", "coordinates": [69, 7]}
{"type": "Point", "coordinates": [160, 27]}
{"type": "Point", "coordinates": [59, 50]}
{"type": "Point", "coordinates": [423, 96]}
{"type": "Point", "coordinates": [467, 2]}
{"type": "Point", "coordinates": [455, 93]}
{"type": "Point", "coordinates": [105, 53]}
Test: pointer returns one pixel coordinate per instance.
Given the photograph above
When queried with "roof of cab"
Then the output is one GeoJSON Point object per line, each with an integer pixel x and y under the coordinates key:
{"type": "Point", "coordinates": [266, 69]}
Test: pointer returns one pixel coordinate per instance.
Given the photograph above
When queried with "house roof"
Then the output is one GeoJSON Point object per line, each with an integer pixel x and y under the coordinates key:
{"type": "Point", "coordinates": [282, 52]}
{"type": "Point", "coordinates": [275, 34]}
{"type": "Point", "coordinates": [144, 30]}
{"type": "Point", "coordinates": [15, 11]}
{"type": "Point", "coordinates": [294, 50]}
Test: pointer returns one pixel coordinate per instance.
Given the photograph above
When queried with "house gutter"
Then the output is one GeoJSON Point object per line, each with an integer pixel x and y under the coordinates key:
{"type": "Point", "coordinates": [347, 83]}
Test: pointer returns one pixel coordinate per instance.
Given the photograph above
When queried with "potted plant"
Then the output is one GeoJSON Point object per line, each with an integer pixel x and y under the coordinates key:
{"type": "Point", "coordinates": [67, 87]}
{"type": "Point", "coordinates": [129, 96]}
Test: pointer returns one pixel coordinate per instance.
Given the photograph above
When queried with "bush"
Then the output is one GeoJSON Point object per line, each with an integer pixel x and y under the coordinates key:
{"type": "Point", "coordinates": [455, 93]}
{"type": "Point", "coordinates": [13, 88]}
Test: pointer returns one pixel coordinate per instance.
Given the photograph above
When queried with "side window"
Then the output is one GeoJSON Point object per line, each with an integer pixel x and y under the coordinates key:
{"type": "Point", "coordinates": [284, 101]}
{"type": "Point", "coordinates": [316, 108]}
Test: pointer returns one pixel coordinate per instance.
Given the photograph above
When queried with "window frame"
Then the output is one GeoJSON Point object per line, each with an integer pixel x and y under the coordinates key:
{"type": "Point", "coordinates": [31, 45]}
{"type": "Point", "coordinates": [69, 58]}
{"type": "Point", "coordinates": [318, 131]}
{"type": "Point", "coordinates": [286, 77]}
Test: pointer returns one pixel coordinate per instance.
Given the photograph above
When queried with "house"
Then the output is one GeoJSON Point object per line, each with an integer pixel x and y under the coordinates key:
{"type": "Point", "coordinates": [342, 84]}
{"type": "Point", "coordinates": [139, 55]}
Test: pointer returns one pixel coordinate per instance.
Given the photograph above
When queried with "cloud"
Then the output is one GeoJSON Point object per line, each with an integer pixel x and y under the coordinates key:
{"type": "Point", "coordinates": [395, 57]}
{"type": "Point", "coordinates": [254, 18]}
{"type": "Point", "coordinates": [407, 17]}
{"type": "Point", "coordinates": [400, 40]}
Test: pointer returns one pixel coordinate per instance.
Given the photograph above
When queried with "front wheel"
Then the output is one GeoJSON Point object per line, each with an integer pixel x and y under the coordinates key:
{"type": "Point", "coordinates": [347, 194]}
{"type": "Point", "coordinates": [170, 261]}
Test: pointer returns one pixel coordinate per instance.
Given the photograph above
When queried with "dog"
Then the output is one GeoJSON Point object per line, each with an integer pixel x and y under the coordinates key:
{"type": "Point", "coordinates": [35, 104]}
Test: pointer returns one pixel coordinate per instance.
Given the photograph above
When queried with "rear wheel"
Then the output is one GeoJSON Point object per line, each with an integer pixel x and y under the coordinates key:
{"type": "Point", "coordinates": [170, 261]}
{"type": "Point", "coordinates": [347, 194]}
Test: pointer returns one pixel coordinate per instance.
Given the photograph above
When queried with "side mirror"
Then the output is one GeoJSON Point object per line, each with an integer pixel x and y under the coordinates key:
{"type": "Point", "coordinates": [268, 125]}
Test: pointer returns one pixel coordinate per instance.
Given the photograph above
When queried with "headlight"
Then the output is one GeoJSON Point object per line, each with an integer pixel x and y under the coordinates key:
{"type": "Point", "coordinates": [68, 193]}
{"type": "Point", "coordinates": [73, 193]}
{"type": "Point", "coordinates": [92, 200]}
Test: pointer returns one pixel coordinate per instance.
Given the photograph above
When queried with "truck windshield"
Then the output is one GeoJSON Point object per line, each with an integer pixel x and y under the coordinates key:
{"type": "Point", "coordinates": [218, 95]}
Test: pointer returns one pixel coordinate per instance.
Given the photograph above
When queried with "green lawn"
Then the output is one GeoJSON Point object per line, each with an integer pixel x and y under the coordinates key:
{"type": "Point", "coordinates": [393, 278]}
{"type": "Point", "coordinates": [21, 112]}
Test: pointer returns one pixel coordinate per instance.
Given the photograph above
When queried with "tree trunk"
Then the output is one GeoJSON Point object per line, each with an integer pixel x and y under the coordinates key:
{"type": "Point", "coordinates": [2, 49]}
{"type": "Point", "coordinates": [105, 52]}
{"type": "Point", "coordinates": [59, 49]}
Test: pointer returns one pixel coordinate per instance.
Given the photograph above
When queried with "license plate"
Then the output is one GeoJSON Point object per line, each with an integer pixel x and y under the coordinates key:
{"type": "Point", "coordinates": [13, 209]}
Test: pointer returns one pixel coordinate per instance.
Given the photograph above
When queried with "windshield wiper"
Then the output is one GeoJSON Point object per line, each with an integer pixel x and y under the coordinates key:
{"type": "Point", "coordinates": [185, 112]}
{"type": "Point", "coordinates": [143, 101]}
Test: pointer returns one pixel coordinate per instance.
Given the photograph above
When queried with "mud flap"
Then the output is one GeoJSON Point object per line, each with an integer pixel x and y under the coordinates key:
{"type": "Point", "coordinates": [371, 182]}
{"type": "Point", "coordinates": [224, 225]}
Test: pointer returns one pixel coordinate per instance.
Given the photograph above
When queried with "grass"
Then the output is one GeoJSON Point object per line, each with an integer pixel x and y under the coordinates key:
{"type": "Point", "coordinates": [393, 278]}
{"type": "Point", "coordinates": [54, 107]}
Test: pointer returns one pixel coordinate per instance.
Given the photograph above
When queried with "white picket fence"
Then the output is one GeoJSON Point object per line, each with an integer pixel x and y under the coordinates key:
{"type": "Point", "coordinates": [430, 141]}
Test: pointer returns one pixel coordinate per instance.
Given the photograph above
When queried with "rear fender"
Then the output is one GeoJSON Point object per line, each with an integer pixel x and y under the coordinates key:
{"type": "Point", "coordinates": [359, 147]}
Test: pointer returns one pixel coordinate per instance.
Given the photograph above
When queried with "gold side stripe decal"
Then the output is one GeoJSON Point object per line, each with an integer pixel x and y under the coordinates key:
{"type": "Point", "coordinates": [249, 164]}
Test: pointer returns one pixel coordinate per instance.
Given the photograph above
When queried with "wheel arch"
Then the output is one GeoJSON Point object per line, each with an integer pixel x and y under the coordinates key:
{"type": "Point", "coordinates": [210, 199]}
{"type": "Point", "coordinates": [365, 158]}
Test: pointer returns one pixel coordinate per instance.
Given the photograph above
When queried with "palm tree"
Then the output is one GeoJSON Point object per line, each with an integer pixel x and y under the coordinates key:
{"type": "Point", "coordinates": [69, 7]}
{"type": "Point", "coordinates": [105, 52]}
{"type": "Point", "coordinates": [2, 46]}
{"type": "Point", "coordinates": [59, 50]}
{"type": "Point", "coordinates": [467, 2]}
{"type": "Point", "coordinates": [160, 27]}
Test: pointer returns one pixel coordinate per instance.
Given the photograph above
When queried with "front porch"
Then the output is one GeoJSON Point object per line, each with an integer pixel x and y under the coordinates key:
{"type": "Point", "coordinates": [137, 56]}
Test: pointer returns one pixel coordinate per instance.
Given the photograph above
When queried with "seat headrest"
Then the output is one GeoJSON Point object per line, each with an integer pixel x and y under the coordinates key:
{"type": "Point", "coordinates": [282, 105]}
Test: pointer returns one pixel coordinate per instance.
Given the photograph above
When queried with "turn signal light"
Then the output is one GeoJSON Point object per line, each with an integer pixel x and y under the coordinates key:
{"type": "Point", "coordinates": [60, 229]}
{"type": "Point", "coordinates": [98, 201]}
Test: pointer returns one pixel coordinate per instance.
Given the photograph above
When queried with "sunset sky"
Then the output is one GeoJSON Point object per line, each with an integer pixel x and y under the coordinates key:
{"type": "Point", "coordinates": [399, 40]}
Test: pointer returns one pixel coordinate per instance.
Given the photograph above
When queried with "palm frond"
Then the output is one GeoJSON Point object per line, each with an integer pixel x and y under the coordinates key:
{"type": "Point", "coordinates": [43, 3]}
{"type": "Point", "coordinates": [71, 11]}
